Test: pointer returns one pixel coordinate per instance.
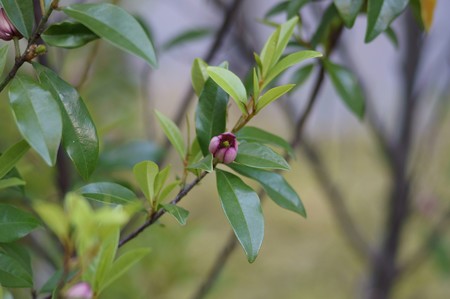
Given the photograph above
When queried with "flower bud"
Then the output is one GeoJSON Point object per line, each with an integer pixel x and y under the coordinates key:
{"type": "Point", "coordinates": [81, 290]}
{"type": "Point", "coordinates": [224, 147]}
{"type": "Point", "coordinates": [7, 29]}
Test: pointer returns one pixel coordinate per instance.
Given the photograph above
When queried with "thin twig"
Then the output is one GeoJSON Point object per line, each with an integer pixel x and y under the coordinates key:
{"type": "Point", "coordinates": [88, 65]}
{"type": "Point", "coordinates": [33, 39]}
{"type": "Point", "coordinates": [161, 212]}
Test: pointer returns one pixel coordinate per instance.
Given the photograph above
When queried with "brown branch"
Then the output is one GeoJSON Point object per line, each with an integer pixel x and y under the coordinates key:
{"type": "Point", "coordinates": [161, 212]}
{"type": "Point", "coordinates": [33, 39]}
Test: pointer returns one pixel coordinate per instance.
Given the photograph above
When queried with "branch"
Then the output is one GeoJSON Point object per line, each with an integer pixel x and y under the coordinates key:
{"type": "Point", "coordinates": [33, 39]}
{"type": "Point", "coordinates": [161, 212]}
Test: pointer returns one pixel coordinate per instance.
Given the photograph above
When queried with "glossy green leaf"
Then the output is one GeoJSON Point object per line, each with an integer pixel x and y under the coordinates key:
{"type": "Point", "coordinates": [289, 61]}
{"type": "Point", "coordinates": [300, 76]}
{"type": "Point", "coordinates": [123, 264]}
{"type": "Point", "coordinates": [253, 134]}
{"type": "Point", "coordinates": [37, 115]}
{"type": "Point", "coordinates": [15, 268]}
{"type": "Point", "coordinates": [145, 173]}
{"type": "Point", "coordinates": [79, 137]}
{"type": "Point", "coordinates": [173, 134]}
{"type": "Point", "coordinates": [349, 10]}
{"type": "Point", "coordinates": [68, 35]}
{"type": "Point", "coordinates": [177, 212]}
{"type": "Point", "coordinates": [115, 25]}
{"type": "Point", "coordinates": [278, 189]}
{"type": "Point", "coordinates": [195, 154]}
{"type": "Point", "coordinates": [11, 182]}
{"type": "Point", "coordinates": [260, 156]}
{"type": "Point", "coordinates": [110, 193]}
{"type": "Point", "coordinates": [229, 82]}
{"type": "Point", "coordinates": [3, 57]}
{"type": "Point", "coordinates": [199, 75]}
{"type": "Point", "coordinates": [186, 36]}
{"type": "Point", "coordinates": [347, 87]}
{"type": "Point", "coordinates": [277, 9]}
{"type": "Point", "coordinates": [54, 217]}
{"type": "Point", "coordinates": [21, 14]}
{"type": "Point", "coordinates": [19, 252]}
{"type": "Point", "coordinates": [243, 210]}
{"type": "Point", "coordinates": [210, 117]}
{"type": "Point", "coordinates": [11, 156]}
{"type": "Point", "coordinates": [256, 87]}
{"type": "Point", "coordinates": [205, 164]}
{"type": "Point", "coordinates": [272, 95]}
{"type": "Point", "coordinates": [380, 14]}
{"type": "Point", "coordinates": [15, 223]}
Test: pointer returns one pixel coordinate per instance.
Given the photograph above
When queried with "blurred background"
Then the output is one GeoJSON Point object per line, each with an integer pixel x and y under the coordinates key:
{"type": "Point", "coordinates": [344, 161]}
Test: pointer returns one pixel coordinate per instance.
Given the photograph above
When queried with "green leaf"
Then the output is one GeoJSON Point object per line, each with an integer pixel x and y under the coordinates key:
{"type": "Point", "coordinates": [166, 191]}
{"type": "Point", "coordinates": [11, 182]}
{"type": "Point", "coordinates": [19, 252]}
{"type": "Point", "coordinates": [79, 137]}
{"type": "Point", "coordinates": [256, 89]}
{"type": "Point", "coordinates": [186, 36]}
{"type": "Point", "coordinates": [392, 36]}
{"type": "Point", "coordinates": [294, 7]}
{"type": "Point", "coordinates": [277, 9]}
{"type": "Point", "coordinates": [326, 22]}
{"type": "Point", "coordinates": [15, 223]}
{"type": "Point", "coordinates": [38, 117]}
{"type": "Point", "coordinates": [260, 156]}
{"type": "Point", "coordinates": [232, 85]}
{"type": "Point", "coordinates": [211, 114]}
{"type": "Point", "coordinates": [272, 95]}
{"type": "Point", "coordinates": [145, 173]}
{"type": "Point", "coordinates": [199, 75]}
{"type": "Point", "coordinates": [243, 210]}
{"type": "Point", "coordinates": [173, 134]}
{"type": "Point", "coordinates": [275, 186]}
{"type": "Point", "coordinates": [204, 164]}
{"type": "Point", "coordinates": [123, 264]}
{"type": "Point", "coordinates": [349, 10]}
{"type": "Point", "coordinates": [380, 14]}
{"type": "Point", "coordinates": [54, 217]}
{"type": "Point", "coordinates": [12, 155]}
{"type": "Point", "coordinates": [286, 30]}
{"type": "Point", "coordinates": [161, 178]}
{"type": "Point", "coordinates": [301, 75]}
{"type": "Point", "coordinates": [106, 192]}
{"type": "Point", "coordinates": [115, 25]}
{"type": "Point", "coordinates": [127, 155]}
{"type": "Point", "coordinates": [3, 57]}
{"type": "Point", "coordinates": [177, 212]}
{"type": "Point", "coordinates": [347, 87]}
{"type": "Point", "coordinates": [21, 14]}
{"type": "Point", "coordinates": [68, 35]}
{"type": "Point", "coordinates": [13, 273]}
{"type": "Point", "coordinates": [266, 59]}
{"type": "Point", "coordinates": [289, 61]}
{"type": "Point", "coordinates": [252, 134]}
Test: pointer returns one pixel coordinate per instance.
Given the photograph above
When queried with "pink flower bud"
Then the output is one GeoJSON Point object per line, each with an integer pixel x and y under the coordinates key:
{"type": "Point", "coordinates": [7, 29]}
{"type": "Point", "coordinates": [81, 290]}
{"type": "Point", "coordinates": [224, 147]}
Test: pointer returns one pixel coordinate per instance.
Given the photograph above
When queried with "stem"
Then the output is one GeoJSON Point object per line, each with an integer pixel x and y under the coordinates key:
{"type": "Point", "coordinates": [41, 2]}
{"type": "Point", "coordinates": [160, 212]}
{"type": "Point", "coordinates": [34, 37]}
{"type": "Point", "coordinates": [16, 47]}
